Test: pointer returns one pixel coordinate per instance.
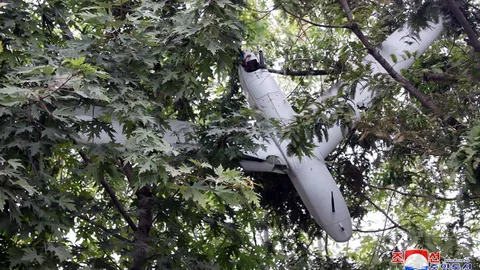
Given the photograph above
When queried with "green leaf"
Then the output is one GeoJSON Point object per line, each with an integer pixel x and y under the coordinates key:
{"type": "Point", "coordinates": [3, 198]}
{"type": "Point", "coordinates": [66, 203]}
{"type": "Point", "coordinates": [25, 185]}
{"type": "Point", "coordinates": [213, 47]}
{"type": "Point", "coordinates": [169, 75]}
{"type": "Point", "coordinates": [31, 255]}
{"type": "Point", "coordinates": [63, 114]}
{"type": "Point", "coordinates": [62, 252]}
{"type": "Point", "coordinates": [394, 58]}
{"type": "Point", "coordinates": [76, 62]}
{"type": "Point", "coordinates": [15, 163]}
{"type": "Point", "coordinates": [200, 164]}
{"type": "Point", "coordinates": [252, 197]}
{"type": "Point", "coordinates": [146, 166]}
{"type": "Point", "coordinates": [199, 197]}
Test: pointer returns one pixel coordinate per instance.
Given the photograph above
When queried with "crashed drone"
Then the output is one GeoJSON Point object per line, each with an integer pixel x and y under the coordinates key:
{"type": "Point", "coordinates": [310, 176]}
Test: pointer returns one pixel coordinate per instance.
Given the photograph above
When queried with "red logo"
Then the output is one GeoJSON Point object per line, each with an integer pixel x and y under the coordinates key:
{"type": "Point", "coordinates": [397, 257]}
{"type": "Point", "coordinates": [434, 257]}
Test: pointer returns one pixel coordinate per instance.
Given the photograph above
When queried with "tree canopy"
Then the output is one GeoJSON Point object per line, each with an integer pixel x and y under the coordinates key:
{"type": "Point", "coordinates": [409, 169]}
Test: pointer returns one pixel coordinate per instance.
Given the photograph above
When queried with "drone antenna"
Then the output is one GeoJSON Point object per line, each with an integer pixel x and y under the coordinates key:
{"type": "Point", "coordinates": [261, 60]}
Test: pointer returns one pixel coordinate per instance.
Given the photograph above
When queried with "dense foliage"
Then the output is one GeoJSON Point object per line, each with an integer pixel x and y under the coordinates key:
{"type": "Point", "coordinates": [150, 205]}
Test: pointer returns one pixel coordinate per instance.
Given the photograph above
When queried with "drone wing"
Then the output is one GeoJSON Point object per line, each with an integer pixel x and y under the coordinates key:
{"type": "Point", "coordinates": [267, 159]}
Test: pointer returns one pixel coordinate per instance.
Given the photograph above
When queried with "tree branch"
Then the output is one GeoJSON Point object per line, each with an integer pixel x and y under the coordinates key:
{"type": "Point", "coordinates": [386, 215]}
{"type": "Point", "coordinates": [348, 12]}
{"type": "Point", "coordinates": [103, 228]}
{"type": "Point", "coordinates": [116, 202]}
{"type": "Point", "coordinates": [472, 37]}
{"type": "Point", "coordinates": [127, 169]}
{"type": "Point", "coordinates": [424, 100]}
{"type": "Point", "coordinates": [440, 77]}
{"type": "Point", "coordinates": [288, 72]}
{"type": "Point", "coordinates": [113, 261]}
{"type": "Point", "coordinates": [375, 231]}
{"type": "Point", "coordinates": [62, 23]}
{"type": "Point", "coordinates": [313, 23]}
{"type": "Point", "coordinates": [434, 197]}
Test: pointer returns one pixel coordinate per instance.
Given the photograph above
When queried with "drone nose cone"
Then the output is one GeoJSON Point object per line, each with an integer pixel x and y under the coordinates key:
{"type": "Point", "coordinates": [340, 231]}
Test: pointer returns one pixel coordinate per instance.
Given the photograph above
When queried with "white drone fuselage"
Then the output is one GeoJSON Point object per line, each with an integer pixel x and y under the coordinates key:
{"type": "Point", "coordinates": [310, 175]}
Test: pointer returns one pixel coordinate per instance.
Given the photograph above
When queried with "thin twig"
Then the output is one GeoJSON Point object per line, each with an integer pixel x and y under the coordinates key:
{"type": "Point", "coordinates": [113, 260]}
{"type": "Point", "coordinates": [103, 228]}
{"type": "Point", "coordinates": [62, 23]}
{"type": "Point", "coordinates": [386, 215]}
{"type": "Point", "coordinates": [380, 239]}
{"type": "Point", "coordinates": [434, 197]}
{"type": "Point", "coordinates": [304, 254]}
{"type": "Point", "coordinates": [344, 147]}
{"type": "Point", "coordinates": [259, 19]}
{"type": "Point", "coordinates": [375, 231]}
{"type": "Point", "coordinates": [261, 11]}
{"type": "Point", "coordinates": [313, 23]}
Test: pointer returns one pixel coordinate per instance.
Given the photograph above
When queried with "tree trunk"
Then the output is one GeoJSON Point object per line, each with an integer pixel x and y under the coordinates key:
{"type": "Point", "coordinates": [145, 219]}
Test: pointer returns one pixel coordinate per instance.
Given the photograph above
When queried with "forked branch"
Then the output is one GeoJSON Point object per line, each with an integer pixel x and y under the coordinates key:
{"type": "Point", "coordinates": [116, 202]}
{"type": "Point", "coordinates": [472, 36]}
{"type": "Point", "coordinates": [424, 100]}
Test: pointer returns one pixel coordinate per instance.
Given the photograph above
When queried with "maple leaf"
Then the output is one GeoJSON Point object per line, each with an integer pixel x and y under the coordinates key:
{"type": "Point", "coordinates": [31, 255]}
